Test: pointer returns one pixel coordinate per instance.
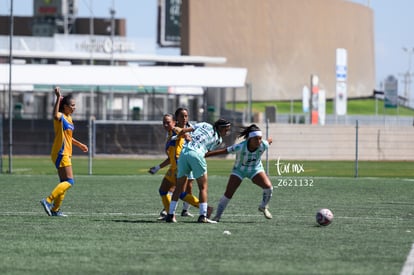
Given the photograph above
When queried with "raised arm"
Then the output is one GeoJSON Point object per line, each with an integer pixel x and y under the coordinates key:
{"type": "Point", "coordinates": [55, 114]}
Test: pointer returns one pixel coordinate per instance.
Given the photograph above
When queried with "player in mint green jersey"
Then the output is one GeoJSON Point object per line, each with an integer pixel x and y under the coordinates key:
{"type": "Point", "coordinates": [248, 164]}
{"type": "Point", "coordinates": [204, 137]}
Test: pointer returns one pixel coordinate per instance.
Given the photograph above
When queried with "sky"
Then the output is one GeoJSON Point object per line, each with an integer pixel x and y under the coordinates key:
{"type": "Point", "coordinates": [393, 25]}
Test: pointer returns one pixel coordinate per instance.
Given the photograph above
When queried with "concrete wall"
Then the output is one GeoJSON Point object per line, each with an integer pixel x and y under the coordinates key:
{"type": "Point", "coordinates": [283, 42]}
{"type": "Point", "coordinates": [338, 142]}
{"type": "Point", "coordinates": [290, 141]}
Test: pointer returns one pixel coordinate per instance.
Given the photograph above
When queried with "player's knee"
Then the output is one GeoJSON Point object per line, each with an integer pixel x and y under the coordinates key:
{"type": "Point", "coordinates": [182, 195]}
{"type": "Point", "coordinates": [268, 190]}
{"type": "Point", "coordinates": [162, 193]}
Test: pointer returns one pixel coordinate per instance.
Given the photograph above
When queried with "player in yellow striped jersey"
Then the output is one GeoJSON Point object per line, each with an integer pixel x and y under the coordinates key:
{"type": "Point", "coordinates": [181, 117]}
{"type": "Point", "coordinates": [62, 152]}
{"type": "Point", "coordinates": [174, 144]}
{"type": "Point", "coordinates": [204, 137]}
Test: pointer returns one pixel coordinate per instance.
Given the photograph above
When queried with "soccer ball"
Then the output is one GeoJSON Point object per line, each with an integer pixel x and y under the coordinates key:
{"type": "Point", "coordinates": [324, 216]}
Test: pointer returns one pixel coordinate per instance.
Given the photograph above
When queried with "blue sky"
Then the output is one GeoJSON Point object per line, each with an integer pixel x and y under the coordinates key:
{"type": "Point", "coordinates": [393, 21]}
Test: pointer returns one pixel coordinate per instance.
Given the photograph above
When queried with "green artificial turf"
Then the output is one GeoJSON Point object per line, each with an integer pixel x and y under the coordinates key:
{"type": "Point", "coordinates": [112, 226]}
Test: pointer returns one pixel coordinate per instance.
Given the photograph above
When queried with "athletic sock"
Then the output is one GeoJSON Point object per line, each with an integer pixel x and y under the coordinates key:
{"type": "Point", "coordinates": [222, 206]}
{"type": "Point", "coordinates": [267, 195]}
{"type": "Point", "coordinates": [58, 194]}
{"type": "Point", "coordinates": [190, 198]}
{"type": "Point", "coordinates": [203, 209]}
{"type": "Point", "coordinates": [186, 206]}
{"type": "Point", "coordinates": [165, 199]}
{"type": "Point", "coordinates": [173, 207]}
{"type": "Point", "coordinates": [58, 202]}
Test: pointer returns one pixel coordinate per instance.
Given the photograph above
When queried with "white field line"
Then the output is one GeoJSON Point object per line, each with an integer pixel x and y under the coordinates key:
{"type": "Point", "coordinates": [408, 268]}
{"type": "Point", "coordinates": [195, 212]}
{"type": "Point", "coordinates": [102, 214]}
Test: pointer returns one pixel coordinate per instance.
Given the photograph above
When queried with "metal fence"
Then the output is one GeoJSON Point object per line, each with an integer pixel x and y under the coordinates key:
{"type": "Point", "coordinates": [347, 120]}
{"type": "Point", "coordinates": [386, 140]}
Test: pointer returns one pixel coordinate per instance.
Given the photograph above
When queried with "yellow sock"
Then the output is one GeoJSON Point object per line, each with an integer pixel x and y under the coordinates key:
{"type": "Point", "coordinates": [166, 199]}
{"type": "Point", "coordinates": [58, 202]}
{"type": "Point", "coordinates": [191, 199]}
{"type": "Point", "coordinates": [58, 194]}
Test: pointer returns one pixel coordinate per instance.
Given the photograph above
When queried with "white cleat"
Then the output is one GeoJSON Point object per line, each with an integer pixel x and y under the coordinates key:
{"type": "Point", "coordinates": [216, 219]}
{"type": "Point", "coordinates": [185, 213]}
{"type": "Point", "coordinates": [204, 219]}
{"type": "Point", "coordinates": [266, 212]}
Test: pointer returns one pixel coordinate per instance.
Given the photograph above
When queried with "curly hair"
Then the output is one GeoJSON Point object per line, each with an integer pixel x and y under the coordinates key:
{"type": "Point", "coordinates": [244, 133]}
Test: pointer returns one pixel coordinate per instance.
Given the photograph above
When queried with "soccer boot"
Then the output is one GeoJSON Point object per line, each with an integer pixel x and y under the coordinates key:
{"type": "Point", "coordinates": [204, 219]}
{"type": "Point", "coordinates": [58, 214]}
{"type": "Point", "coordinates": [185, 213]}
{"type": "Point", "coordinates": [170, 218]}
{"type": "Point", "coordinates": [46, 207]}
{"type": "Point", "coordinates": [216, 218]}
{"type": "Point", "coordinates": [163, 215]}
{"type": "Point", "coordinates": [266, 212]}
{"type": "Point", "coordinates": [162, 218]}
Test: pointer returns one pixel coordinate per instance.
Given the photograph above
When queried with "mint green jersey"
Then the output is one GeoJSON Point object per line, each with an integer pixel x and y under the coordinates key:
{"type": "Point", "coordinates": [247, 163]}
{"type": "Point", "coordinates": [204, 138]}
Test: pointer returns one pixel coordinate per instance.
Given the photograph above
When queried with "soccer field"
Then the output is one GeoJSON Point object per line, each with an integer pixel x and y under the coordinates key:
{"type": "Point", "coordinates": [112, 228]}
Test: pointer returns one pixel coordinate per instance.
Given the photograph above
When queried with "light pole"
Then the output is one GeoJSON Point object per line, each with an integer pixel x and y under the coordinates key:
{"type": "Point", "coordinates": [112, 13]}
{"type": "Point", "coordinates": [409, 52]}
{"type": "Point", "coordinates": [111, 93]}
{"type": "Point", "coordinates": [407, 76]}
{"type": "Point", "coordinates": [10, 89]}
